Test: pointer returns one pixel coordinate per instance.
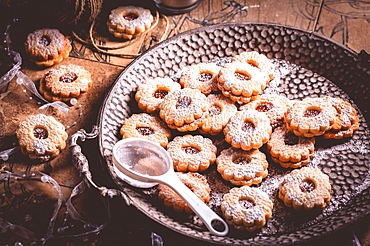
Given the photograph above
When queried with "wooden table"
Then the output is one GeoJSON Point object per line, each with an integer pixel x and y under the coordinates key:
{"type": "Point", "coordinates": [346, 22]}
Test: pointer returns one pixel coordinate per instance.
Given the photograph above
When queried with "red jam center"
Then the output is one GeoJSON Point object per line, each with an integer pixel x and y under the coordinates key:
{"type": "Point", "coordinates": [183, 102]}
{"type": "Point", "coordinates": [160, 94]}
{"type": "Point", "coordinates": [68, 77]}
{"type": "Point", "coordinates": [307, 186]}
{"type": "Point", "coordinates": [214, 110]}
{"type": "Point", "coordinates": [291, 139]}
{"type": "Point", "coordinates": [203, 77]}
{"type": "Point", "coordinates": [242, 76]}
{"type": "Point", "coordinates": [45, 40]}
{"type": "Point", "coordinates": [253, 63]}
{"type": "Point", "coordinates": [241, 161]}
{"type": "Point", "coordinates": [311, 113]}
{"type": "Point", "coordinates": [130, 16]}
{"type": "Point", "coordinates": [40, 133]}
{"type": "Point", "coordinates": [264, 106]}
{"type": "Point", "coordinates": [246, 203]}
{"type": "Point", "coordinates": [145, 131]}
{"type": "Point", "coordinates": [248, 127]}
{"type": "Point", "coordinates": [191, 150]}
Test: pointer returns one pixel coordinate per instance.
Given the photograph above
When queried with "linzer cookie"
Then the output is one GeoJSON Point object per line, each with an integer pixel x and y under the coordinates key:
{"type": "Point", "coordinates": [128, 22]}
{"type": "Point", "coordinates": [258, 60]}
{"type": "Point", "coordinates": [241, 82]}
{"type": "Point", "coordinates": [201, 76]}
{"type": "Point", "coordinates": [289, 150]}
{"type": "Point", "coordinates": [146, 126]}
{"type": "Point", "coordinates": [310, 117]}
{"type": "Point", "coordinates": [246, 208]}
{"type": "Point", "coordinates": [273, 105]}
{"type": "Point", "coordinates": [41, 137]}
{"type": "Point", "coordinates": [305, 188]}
{"type": "Point", "coordinates": [47, 46]}
{"type": "Point", "coordinates": [192, 153]}
{"type": "Point", "coordinates": [346, 121]}
{"type": "Point", "coordinates": [65, 82]}
{"type": "Point", "coordinates": [183, 108]}
{"type": "Point", "coordinates": [151, 93]}
{"type": "Point", "coordinates": [241, 167]}
{"type": "Point", "coordinates": [248, 129]}
{"type": "Point", "coordinates": [220, 111]}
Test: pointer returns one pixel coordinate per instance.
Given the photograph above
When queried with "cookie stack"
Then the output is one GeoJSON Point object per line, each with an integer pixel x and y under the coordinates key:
{"type": "Point", "coordinates": [65, 82]}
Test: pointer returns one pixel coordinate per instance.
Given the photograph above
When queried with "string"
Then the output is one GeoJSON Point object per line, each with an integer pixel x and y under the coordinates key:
{"type": "Point", "coordinates": [103, 48]}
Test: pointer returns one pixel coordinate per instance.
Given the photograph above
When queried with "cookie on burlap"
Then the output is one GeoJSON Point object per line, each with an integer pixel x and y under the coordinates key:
{"type": "Point", "coordinates": [47, 46]}
{"type": "Point", "coordinates": [41, 137]}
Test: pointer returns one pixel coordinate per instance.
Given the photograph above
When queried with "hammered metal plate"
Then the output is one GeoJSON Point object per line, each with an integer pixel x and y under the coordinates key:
{"type": "Point", "coordinates": [310, 66]}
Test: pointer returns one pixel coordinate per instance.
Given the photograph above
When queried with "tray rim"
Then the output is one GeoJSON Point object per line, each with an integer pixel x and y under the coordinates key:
{"type": "Point", "coordinates": [312, 34]}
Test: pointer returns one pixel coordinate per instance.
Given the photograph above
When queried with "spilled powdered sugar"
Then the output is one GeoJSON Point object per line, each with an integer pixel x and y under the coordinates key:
{"type": "Point", "coordinates": [346, 162]}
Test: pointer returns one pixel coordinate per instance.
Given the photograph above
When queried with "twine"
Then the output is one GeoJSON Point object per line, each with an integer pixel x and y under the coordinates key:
{"type": "Point", "coordinates": [103, 49]}
{"type": "Point", "coordinates": [80, 7]}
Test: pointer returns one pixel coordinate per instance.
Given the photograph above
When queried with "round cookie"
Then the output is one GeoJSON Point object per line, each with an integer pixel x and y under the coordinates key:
{"type": "Point", "coordinates": [196, 182]}
{"type": "Point", "coordinates": [220, 111]}
{"type": "Point", "coordinates": [346, 122]}
{"type": "Point", "coordinates": [241, 81]}
{"type": "Point", "coordinates": [289, 150]}
{"type": "Point", "coordinates": [201, 76]}
{"type": "Point", "coordinates": [182, 107]}
{"type": "Point", "coordinates": [146, 126]}
{"type": "Point", "coordinates": [248, 129]}
{"type": "Point", "coordinates": [41, 137]}
{"type": "Point", "coordinates": [47, 46]}
{"type": "Point", "coordinates": [65, 82]}
{"type": "Point", "coordinates": [241, 167]}
{"type": "Point", "coordinates": [258, 60]}
{"type": "Point", "coordinates": [305, 188]}
{"type": "Point", "coordinates": [151, 93]}
{"type": "Point", "coordinates": [310, 117]}
{"type": "Point", "coordinates": [246, 208]}
{"type": "Point", "coordinates": [192, 153]}
{"type": "Point", "coordinates": [273, 105]}
{"type": "Point", "coordinates": [128, 22]}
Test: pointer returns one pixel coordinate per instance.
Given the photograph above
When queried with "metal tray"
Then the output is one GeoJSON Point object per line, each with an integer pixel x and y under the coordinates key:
{"type": "Point", "coordinates": [310, 66]}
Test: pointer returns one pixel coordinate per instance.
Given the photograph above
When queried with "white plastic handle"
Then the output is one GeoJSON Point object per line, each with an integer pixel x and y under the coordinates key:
{"type": "Point", "coordinates": [215, 224]}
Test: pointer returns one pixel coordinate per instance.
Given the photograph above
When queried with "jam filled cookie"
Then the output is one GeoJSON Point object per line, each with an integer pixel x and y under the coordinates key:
{"type": "Point", "coordinates": [289, 150]}
{"type": "Point", "coordinates": [306, 188]}
{"type": "Point", "coordinates": [241, 167]}
{"type": "Point", "coordinates": [273, 105]}
{"type": "Point", "coordinates": [47, 47]}
{"type": "Point", "coordinates": [146, 126]}
{"type": "Point", "coordinates": [151, 93]}
{"type": "Point", "coordinates": [346, 122]}
{"type": "Point", "coordinates": [202, 76]}
{"type": "Point", "coordinates": [258, 60]}
{"type": "Point", "coordinates": [196, 182]}
{"type": "Point", "coordinates": [310, 117]}
{"type": "Point", "coordinates": [129, 22]}
{"type": "Point", "coordinates": [246, 208]}
{"type": "Point", "coordinates": [241, 81]}
{"type": "Point", "coordinates": [191, 153]}
{"type": "Point", "coordinates": [41, 137]}
{"type": "Point", "coordinates": [65, 82]}
{"type": "Point", "coordinates": [183, 107]}
{"type": "Point", "coordinates": [220, 111]}
{"type": "Point", "coordinates": [248, 129]}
